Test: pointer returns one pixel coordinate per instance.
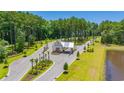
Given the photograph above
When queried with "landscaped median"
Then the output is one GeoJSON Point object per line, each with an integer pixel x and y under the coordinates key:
{"type": "Point", "coordinates": [37, 70]}
{"type": "Point", "coordinates": [11, 59]}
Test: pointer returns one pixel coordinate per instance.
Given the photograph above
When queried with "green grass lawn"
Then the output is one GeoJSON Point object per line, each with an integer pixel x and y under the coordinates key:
{"type": "Point", "coordinates": [90, 67]}
{"type": "Point", "coordinates": [115, 47]}
{"type": "Point", "coordinates": [31, 50]}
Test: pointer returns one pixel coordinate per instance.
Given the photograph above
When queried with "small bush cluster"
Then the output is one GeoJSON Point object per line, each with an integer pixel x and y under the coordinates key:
{"type": "Point", "coordinates": [38, 67]}
{"type": "Point", "coordinates": [97, 41]}
{"type": "Point", "coordinates": [41, 43]}
{"type": "Point", "coordinates": [24, 54]}
{"type": "Point", "coordinates": [90, 49]}
{"type": "Point", "coordinates": [6, 66]}
{"type": "Point", "coordinates": [42, 65]}
{"type": "Point", "coordinates": [36, 47]}
{"type": "Point", "coordinates": [10, 53]}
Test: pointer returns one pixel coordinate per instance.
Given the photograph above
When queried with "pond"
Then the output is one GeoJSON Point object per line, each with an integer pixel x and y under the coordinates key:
{"type": "Point", "coordinates": [115, 66]}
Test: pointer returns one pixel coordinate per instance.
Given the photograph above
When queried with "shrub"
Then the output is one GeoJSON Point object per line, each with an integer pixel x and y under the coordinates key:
{"type": "Point", "coordinates": [5, 62]}
{"type": "Point", "coordinates": [84, 48]}
{"type": "Point", "coordinates": [25, 54]}
{"type": "Point", "coordinates": [3, 54]}
{"type": "Point", "coordinates": [97, 41]}
{"type": "Point", "coordinates": [3, 42]}
{"type": "Point", "coordinates": [9, 53]}
{"type": "Point", "coordinates": [65, 68]}
{"type": "Point", "coordinates": [78, 55]}
{"type": "Point", "coordinates": [41, 43]}
{"type": "Point", "coordinates": [34, 72]}
{"type": "Point", "coordinates": [35, 47]}
{"type": "Point", "coordinates": [6, 66]}
{"type": "Point", "coordinates": [90, 50]}
{"type": "Point", "coordinates": [88, 45]}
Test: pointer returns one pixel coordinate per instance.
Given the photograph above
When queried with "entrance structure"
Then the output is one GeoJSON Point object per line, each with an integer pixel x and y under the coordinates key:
{"type": "Point", "coordinates": [60, 46]}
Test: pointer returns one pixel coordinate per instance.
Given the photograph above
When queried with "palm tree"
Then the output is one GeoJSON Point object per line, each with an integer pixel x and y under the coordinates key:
{"type": "Point", "coordinates": [43, 54]}
{"type": "Point", "coordinates": [36, 61]}
{"type": "Point", "coordinates": [39, 57]}
{"type": "Point", "coordinates": [48, 55]}
{"type": "Point", "coordinates": [32, 63]}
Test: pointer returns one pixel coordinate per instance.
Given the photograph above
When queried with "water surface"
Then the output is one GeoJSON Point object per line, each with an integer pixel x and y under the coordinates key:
{"type": "Point", "coordinates": [115, 66]}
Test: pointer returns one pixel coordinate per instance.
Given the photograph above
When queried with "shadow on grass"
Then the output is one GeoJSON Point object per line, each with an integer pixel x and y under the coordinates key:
{"type": "Point", "coordinates": [65, 72]}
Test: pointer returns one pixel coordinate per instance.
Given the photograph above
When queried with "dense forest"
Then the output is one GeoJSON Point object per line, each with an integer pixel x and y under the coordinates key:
{"type": "Point", "coordinates": [20, 29]}
{"type": "Point", "coordinates": [16, 24]}
{"type": "Point", "coordinates": [112, 32]}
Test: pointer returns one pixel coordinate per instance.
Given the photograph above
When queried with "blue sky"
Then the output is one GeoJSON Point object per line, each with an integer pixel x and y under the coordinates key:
{"type": "Point", "coordinates": [93, 16]}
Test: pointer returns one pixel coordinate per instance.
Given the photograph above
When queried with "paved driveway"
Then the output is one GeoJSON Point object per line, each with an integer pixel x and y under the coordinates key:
{"type": "Point", "coordinates": [59, 61]}
{"type": "Point", "coordinates": [18, 68]}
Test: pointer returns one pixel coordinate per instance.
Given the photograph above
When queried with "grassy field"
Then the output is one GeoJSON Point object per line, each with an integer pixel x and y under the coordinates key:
{"type": "Point", "coordinates": [31, 50]}
{"type": "Point", "coordinates": [90, 67]}
{"type": "Point", "coordinates": [115, 47]}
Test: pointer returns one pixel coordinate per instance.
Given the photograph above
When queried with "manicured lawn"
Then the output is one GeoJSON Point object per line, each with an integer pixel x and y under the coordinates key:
{"type": "Point", "coordinates": [31, 50]}
{"type": "Point", "coordinates": [42, 67]}
{"type": "Point", "coordinates": [89, 67]}
{"type": "Point", "coordinates": [115, 47]}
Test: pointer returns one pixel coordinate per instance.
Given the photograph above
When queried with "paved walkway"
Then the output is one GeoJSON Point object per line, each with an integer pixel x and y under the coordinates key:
{"type": "Point", "coordinates": [60, 60]}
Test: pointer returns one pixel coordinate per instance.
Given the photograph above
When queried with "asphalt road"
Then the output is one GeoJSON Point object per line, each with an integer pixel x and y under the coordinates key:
{"type": "Point", "coordinates": [59, 61]}
{"type": "Point", "coordinates": [18, 68]}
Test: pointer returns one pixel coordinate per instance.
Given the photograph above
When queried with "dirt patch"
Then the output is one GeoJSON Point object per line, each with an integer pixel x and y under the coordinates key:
{"type": "Point", "coordinates": [29, 77]}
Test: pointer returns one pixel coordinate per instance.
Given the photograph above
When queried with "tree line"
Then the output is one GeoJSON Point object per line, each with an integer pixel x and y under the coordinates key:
{"type": "Point", "coordinates": [112, 32]}
{"type": "Point", "coordinates": [22, 29]}
{"type": "Point", "coordinates": [19, 28]}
